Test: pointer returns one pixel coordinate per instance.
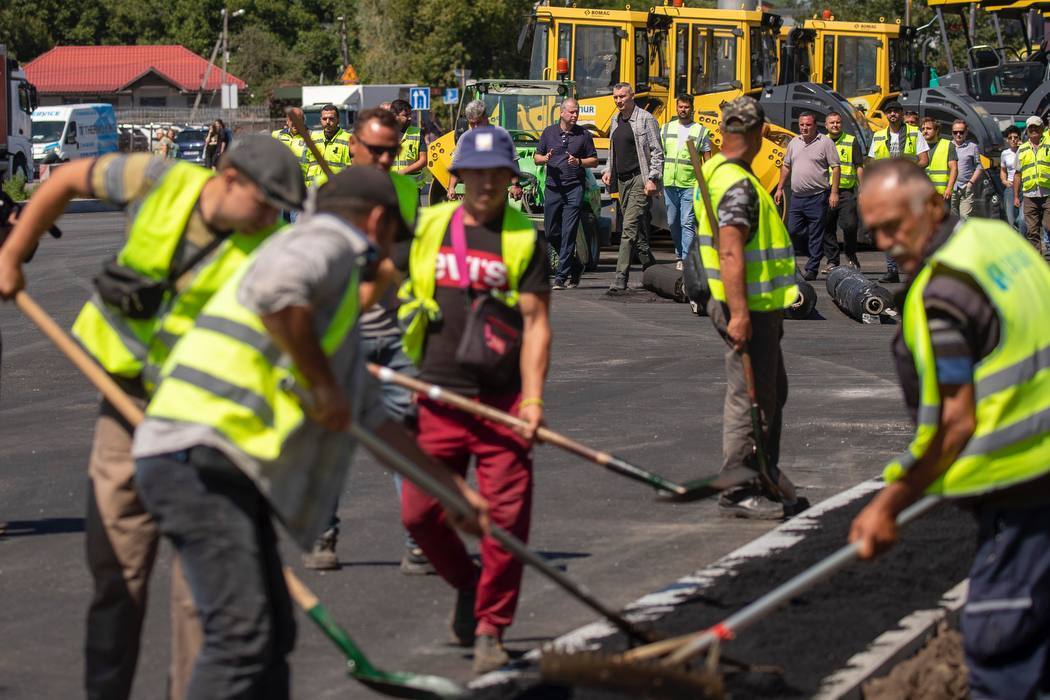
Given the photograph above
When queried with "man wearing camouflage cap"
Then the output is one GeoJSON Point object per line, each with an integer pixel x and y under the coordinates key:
{"type": "Point", "coordinates": [745, 255]}
{"type": "Point", "coordinates": [188, 230]}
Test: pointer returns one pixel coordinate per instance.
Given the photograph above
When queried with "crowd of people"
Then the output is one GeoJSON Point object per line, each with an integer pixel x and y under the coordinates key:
{"type": "Point", "coordinates": [245, 343]}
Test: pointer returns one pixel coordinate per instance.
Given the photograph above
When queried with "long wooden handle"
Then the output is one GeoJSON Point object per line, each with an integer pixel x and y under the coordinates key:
{"type": "Point", "coordinates": [80, 359]}
{"type": "Point", "coordinates": [296, 115]}
{"type": "Point", "coordinates": [705, 194]}
{"type": "Point", "coordinates": [302, 595]}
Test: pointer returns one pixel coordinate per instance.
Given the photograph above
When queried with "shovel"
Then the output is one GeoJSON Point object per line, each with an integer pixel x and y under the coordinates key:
{"type": "Point", "coordinates": [667, 490]}
{"type": "Point", "coordinates": [395, 684]}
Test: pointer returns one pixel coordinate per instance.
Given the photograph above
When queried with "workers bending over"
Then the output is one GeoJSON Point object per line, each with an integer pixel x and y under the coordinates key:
{"type": "Point", "coordinates": [971, 354]}
{"type": "Point", "coordinates": [747, 306]}
{"type": "Point", "coordinates": [250, 419]}
{"type": "Point", "coordinates": [188, 230]}
{"type": "Point", "coordinates": [476, 311]}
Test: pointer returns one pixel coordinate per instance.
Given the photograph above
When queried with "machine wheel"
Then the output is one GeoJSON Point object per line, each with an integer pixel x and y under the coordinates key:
{"type": "Point", "coordinates": [20, 168]}
{"type": "Point", "coordinates": [805, 303]}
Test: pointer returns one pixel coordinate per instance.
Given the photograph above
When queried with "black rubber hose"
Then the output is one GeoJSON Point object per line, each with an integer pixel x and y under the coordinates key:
{"type": "Point", "coordinates": [857, 295]}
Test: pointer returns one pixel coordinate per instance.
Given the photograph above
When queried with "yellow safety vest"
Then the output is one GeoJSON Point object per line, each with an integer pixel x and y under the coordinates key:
{"type": "Point", "coordinates": [128, 347]}
{"type": "Point", "coordinates": [769, 258]}
{"type": "Point", "coordinates": [1011, 442]}
{"type": "Point", "coordinates": [418, 307]}
{"type": "Point", "coordinates": [336, 152]}
{"type": "Point", "coordinates": [1034, 166]}
{"type": "Point", "coordinates": [407, 197]}
{"type": "Point", "coordinates": [908, 149]}
{"type": "Point", "coordinates": [411, 145]}
{"type": "Point", "coordinates": [294, 142]}
{"type": "Point", "coordinates": [229, 374]}
{"type": "Point", "coordinates": [678, 168]}
{"type": "Point", "coordinates": [847, 174]}
{"type": "Point", "coordinates": [938, 169]}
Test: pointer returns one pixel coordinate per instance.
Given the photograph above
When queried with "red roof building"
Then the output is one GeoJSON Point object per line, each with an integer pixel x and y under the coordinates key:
{"type": "Point", "coordinates": [124, 76]}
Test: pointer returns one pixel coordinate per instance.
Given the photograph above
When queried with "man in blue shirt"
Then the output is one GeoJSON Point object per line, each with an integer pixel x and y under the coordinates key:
{"type": "Point", "coordinates": [567, 150]}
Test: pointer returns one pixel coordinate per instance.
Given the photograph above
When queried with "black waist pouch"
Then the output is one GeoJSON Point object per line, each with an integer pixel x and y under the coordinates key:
{"type": "Point", "coordinates": [134, 294]}
{"type": "Point", "coordinates": [491, 343]}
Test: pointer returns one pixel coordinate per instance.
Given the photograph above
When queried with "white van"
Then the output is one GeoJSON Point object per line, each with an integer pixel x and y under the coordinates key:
{"type": "Point", "coordinates": [66, 132]}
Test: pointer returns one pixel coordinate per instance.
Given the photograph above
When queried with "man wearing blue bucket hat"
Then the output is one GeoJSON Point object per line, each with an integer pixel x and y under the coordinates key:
{"type": "Point", "coordinates": [475, 313]}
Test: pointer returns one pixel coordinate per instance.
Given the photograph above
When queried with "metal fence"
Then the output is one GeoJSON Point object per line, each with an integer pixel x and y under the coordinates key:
{"type": "Point", "coordinates": [240, 119]}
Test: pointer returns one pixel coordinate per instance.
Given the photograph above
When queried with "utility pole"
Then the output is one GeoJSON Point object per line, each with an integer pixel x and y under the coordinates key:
{"type": "Point", "coordinates": [344, 49]}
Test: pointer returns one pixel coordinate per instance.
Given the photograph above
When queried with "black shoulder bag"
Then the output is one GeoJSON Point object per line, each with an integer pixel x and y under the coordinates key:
{"type": "Point", "coordinates": [491, 342]}
{"type": "Point", "coordinates": [138, 296]}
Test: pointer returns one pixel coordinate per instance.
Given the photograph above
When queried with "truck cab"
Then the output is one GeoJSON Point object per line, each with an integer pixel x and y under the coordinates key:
{"type": "Point", "coordinates": [17, 101]}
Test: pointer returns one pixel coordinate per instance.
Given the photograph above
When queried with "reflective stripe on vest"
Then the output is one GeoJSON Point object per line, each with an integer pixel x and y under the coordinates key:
{"type": "Point", "coordinates": [909, 149]}
{"type": "Point", "coordinates": [294, 142]}
{"type": "Point", "coordinates": [418, 308]}
{"type": "Point", "coordinates": [938, 169]}
{"type": "Point", "coordinates": [769, 258]}
{"type": "Point", "coordinates": [229, 374]}
{"type": "Point", "coordinates": [1011, 440]}
{"type": "Point", "coordinates": [335, 151]}
{"type": "Point", "coordinates": [678, 168]}
{"type": "Point", "coordinates": [1034, 166]}
{"type": "Point", "coordinates": [118, 343]}
{"type": "Point", "coordinates": [847, 174]}
{"type": "Point", "coordinates": [411, 145]}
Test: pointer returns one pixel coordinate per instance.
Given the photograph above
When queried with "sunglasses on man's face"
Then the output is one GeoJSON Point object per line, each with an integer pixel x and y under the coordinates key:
{"type": "Point", "coordinates": [959, 133]}
{"type": "Point", "coordinates": [379, 151]}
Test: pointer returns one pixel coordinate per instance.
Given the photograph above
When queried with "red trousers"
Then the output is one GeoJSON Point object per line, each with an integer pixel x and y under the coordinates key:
{"type": "Point", "coordinates": [504, 473]}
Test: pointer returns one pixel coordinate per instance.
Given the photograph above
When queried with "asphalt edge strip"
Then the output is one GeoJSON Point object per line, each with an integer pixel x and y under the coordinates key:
{"type": "Point", "coordinates": [892, 647]}
{"type": "Point", "coordinates": [656, 605]}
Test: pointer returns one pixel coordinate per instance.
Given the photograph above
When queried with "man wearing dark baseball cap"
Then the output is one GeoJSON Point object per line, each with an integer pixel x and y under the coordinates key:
{"type": "Point", "coordinates": [475, 310]}
{"type": "Point", "coordinates": [188, 230]}
{"type": "Point", "coordinates": [250, 421]}
{"type": "Point", "coordinates": [746, 304]}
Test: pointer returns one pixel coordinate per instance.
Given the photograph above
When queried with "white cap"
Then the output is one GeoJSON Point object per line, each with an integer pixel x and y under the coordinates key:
{"type": "Point", "coordinates": [1033, 121]}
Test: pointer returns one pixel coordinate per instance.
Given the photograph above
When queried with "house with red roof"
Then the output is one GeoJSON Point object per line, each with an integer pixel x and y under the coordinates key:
{"type": "Point", "coordinates": [125, 76]}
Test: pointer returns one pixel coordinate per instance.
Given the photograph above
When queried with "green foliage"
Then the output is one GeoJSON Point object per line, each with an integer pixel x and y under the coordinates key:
{"type": "Point", "coordinates": [15, 187]}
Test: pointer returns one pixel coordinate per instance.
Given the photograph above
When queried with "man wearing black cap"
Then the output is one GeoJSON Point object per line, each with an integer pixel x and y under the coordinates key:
{"type": "Point", "coordinates": [189, 229]}
{"type": "Point", "coordinates": [475, 310]}
{"type": "Point", "coordinates": [250, 420]}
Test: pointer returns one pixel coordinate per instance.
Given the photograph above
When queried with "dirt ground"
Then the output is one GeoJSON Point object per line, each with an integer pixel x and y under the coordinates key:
{"type": "Point", "coordinates": [937, 672]}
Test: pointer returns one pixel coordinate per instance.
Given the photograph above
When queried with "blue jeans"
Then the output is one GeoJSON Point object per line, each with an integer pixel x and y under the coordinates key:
{"type": "Point", "coordinates": [561, 218]}
{"type": "Point", "coordinates": [680, 217]}
{"type": "Point", "coordinates": [1006, 621]}
{"type": "Point", "coordinates": [1014, 215]}
{"type": "Point", "coordinates": [387, 351]}
{"type": "Point", "coordinates": [806, 218]}
{"type": "Point", "coordinates": [220, 525]}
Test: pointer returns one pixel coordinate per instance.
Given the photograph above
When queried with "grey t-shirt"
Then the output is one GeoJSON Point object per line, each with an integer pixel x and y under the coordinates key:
{"type": "Point", "coordinates": [969, 160]}
{"type": "Point", "coordinates": [308, 264]}
{"type": "Point", "coordinates": [809, 163]}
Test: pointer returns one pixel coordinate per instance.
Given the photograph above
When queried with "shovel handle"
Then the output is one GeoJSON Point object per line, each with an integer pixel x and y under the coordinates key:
{"type": "Point", "coordinates": [543, 434]}
{"type": "Point", "coordinates": [302, 595]}
{"type": "Point", "coordinates": [80, 359]}
{"type": "Point", "coordinates": [296, 115]}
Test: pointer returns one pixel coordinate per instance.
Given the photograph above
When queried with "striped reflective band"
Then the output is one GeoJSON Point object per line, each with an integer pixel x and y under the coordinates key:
{"type": "Point", "coordinates": [1017, 373]}
{"type": "Point", "coordinates": [760, 255]}
{"type": "Point", "coordinates": [679, 161]}
{"type": "Point", "coordinates": [983, 606]}
{"type": "Point", "coordinates": [755, 288]}
{"type": "Point", "coordinates": [166, 338]}
{"type": "Point", "coordinates": [1037, 424]}
{"type": "Point", "coordinates": [119, 324]}
{"type": "Point", "coordinates": [226, 390]}
{"type": "Point", "coordinates": [938, 172]}
{"type": "Point", "coordinates": [245, 334]}
{"type": "Point", "coordinates": [929, 415]}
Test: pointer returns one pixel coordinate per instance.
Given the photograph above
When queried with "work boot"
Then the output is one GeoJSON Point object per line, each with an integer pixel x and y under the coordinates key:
{"type": "Point", "coordinates": [853, 262]}
{"type": "Point", "coordinates": [415, 563]}
{"type": "Point", "coordinates": [619, 283]}
{"type": "Point", "coordinates": [809, 275]}
{"type": "Point", "coordinates": [890, 276]}
{"type": "Point", "coordinates": [489, 654]}
{"type": "Point", "coordinates": [462, 622]}
{"type": "Point", "coordinates": [751, 504]}
{"type": "Point", "coordinates": [322, 556]}
{"type": "Point", "coordinates": [558, 284]}
{"type": "Point", "coordinates": [797, 506]}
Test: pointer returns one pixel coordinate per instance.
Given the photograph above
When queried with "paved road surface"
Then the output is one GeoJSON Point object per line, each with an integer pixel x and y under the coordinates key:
{"type": "Point", "coordinates": [638, 376]}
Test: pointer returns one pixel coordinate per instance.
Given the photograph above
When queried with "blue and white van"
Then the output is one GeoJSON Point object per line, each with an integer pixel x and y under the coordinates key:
{"type": "Point", "coordinates": [65, 132]}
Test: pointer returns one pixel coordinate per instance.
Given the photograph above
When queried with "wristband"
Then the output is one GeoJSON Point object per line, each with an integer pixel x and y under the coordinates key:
{"type": "Point", "coordinates": [530, 402]}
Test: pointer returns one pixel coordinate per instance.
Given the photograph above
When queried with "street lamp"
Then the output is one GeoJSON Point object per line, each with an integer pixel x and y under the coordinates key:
{"type": "Point", "coordinates": [222, 41]}
{"type": "Point", "coordinates": [226, 40]}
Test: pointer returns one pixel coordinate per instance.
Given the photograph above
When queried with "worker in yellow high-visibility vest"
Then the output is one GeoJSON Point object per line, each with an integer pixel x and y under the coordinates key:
{"type": "Point", "coordinates": [1032, 184]}
{"type": "Point", "coordinates": [679, 178]}
{"type": "Point", "coordinates": [412, 154]}
{"type": "Point", "coordinates": [844, 213]}
{"type": "Point", "coordinates": [972, 358]}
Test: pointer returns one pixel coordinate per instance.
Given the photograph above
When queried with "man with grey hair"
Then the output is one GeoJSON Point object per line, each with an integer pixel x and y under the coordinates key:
{"type": "Point", "coordinates": [567, 150]}
{"type": "Point", "coordinates": [635, 171]}
{"type": "Point", "coordinates": [477, 114]}
{"type": "Point", "coordinates": [968, 351]}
